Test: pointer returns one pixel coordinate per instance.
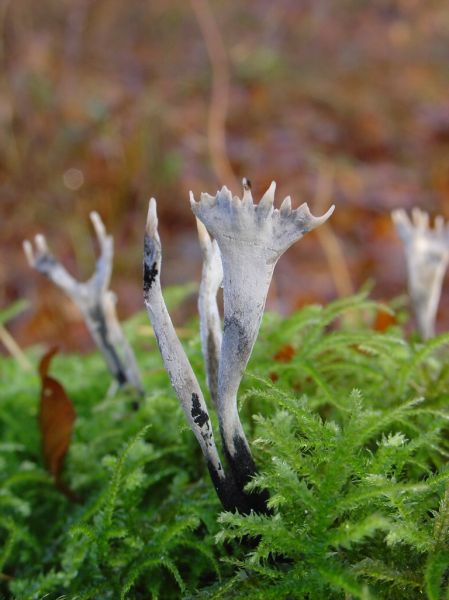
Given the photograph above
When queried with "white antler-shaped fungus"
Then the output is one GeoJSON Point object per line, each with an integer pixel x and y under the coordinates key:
{"type": "Point", "coordinates": [95, 301]}
{"type": "Point", "coordinates": [251, 239]}
{"type": "Point", "coordinates": [427, 257]}
{"type": "Point", "coordinates": [182, 377]}
{"type": "Point", "coordinates": [248, 239]}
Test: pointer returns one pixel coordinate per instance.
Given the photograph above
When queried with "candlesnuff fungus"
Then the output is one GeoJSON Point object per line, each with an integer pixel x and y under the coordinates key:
{"type": "Point", "coordinates": [427, 257]}
{"type": "Point", "coordinates": [95, 301]}
{"type": "Point", "coordinates": [179, 370]}
{"type": "Point", "coordinates": [210, 322]}
{"type": "Point", "coordinates": [249, 239]}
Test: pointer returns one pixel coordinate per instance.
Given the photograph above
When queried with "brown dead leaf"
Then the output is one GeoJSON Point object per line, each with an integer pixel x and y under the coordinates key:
{"type": "Point", "coordinates": [383, 321]}
{"type": "Point", "coordinates": [56, 418]}
{"type": "Point", "coordinates": [45, 361]}
{"type": "Point", "coordinates": [285, 354]}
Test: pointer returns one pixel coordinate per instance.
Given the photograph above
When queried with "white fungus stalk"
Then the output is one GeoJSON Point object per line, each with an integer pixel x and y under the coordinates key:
{"type": "Point", "coordinates": [251, 239]}
{"type": "Point", "coordinates": [180, 372]}
{"type": "Point", "coordinates": [210, 322]}
{"type": "Point", "coordinates": [427, 258]}
{"type": "Point", "coordinates": [247, 242]}
{"type": "Point", "coordinates": [95, 301]}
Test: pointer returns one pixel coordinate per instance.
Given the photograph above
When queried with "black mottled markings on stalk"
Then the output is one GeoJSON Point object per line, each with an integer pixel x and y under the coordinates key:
{"type": "Point", "coordinates": [235, 327]}
{"type": "Point", "coordinates": [98, 317]}
{"type": "Point", "coordinates": [149, 276]}
{"type": "Point", "coordinates": [150, 272]}
{"type": "Point", "coordinates": [46, 263]}
{"type": "Point", "coordinates": [213, 366]}
{"type": "Point", "coordinates": [200, 416]}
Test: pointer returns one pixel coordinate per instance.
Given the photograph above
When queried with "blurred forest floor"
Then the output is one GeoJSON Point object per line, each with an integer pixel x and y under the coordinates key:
{"type": "Point", "coordinates": [105, 103]}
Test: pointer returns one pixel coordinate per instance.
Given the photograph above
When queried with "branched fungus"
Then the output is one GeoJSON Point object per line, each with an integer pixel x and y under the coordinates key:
{"type": "Point", "coordinates": [427, 257]}
{"type": "Point", "coordinates": [95, 301]}
{"type": "Point", "coordinates": [182, 377]}
{"type": "Point", "coordinates": [249, 239]}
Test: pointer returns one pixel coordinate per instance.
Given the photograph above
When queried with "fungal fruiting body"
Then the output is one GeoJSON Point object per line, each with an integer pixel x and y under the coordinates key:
{"type": "Point", "coordinates": [250, 239]}
{"type": "Point", "coordinates": [427, 257]}
{"type": "Point", "coordinates": [210, 322]}
{"type": "Point", "coordinates": [182, 377]}
{"type": "Point", "coordinates": [95, 301]}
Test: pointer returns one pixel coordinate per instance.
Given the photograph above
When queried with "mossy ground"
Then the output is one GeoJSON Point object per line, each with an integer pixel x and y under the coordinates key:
{"type": "Point", "coordinates": [348, 427]}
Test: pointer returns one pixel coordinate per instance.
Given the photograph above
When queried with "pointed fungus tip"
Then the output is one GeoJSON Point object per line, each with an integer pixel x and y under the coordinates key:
{"type": "Point", "coordinates": [286, 205]}
{"type": "Point", "coordinates": [420, 218]}
{"type": "Point", "coordinates": [98, 224]}
{"type": "Point", "coordinates": [324, 218]}
{"type": "Point", "coordinates": [400, 217]}
{"type": "Point", "coordinates": [247, 195]}
{"type": "Point", "coordinates": [223, 198]}
{"type": "Point", "coordinates": [41, 243]}
{"type": "Point", "coordinates": [151, 225]}
{"type": "Point", "coordinates": [266, 203]}
{"type": "Point", "coordinates": [203, 234]}
{"type": "Point", "coordinates": [313, 222]}
{"type": "Point", "coordinates": [330, 211]}
{"type": "Point", "coordinates": [225, 190]}
{"type": "Point", "coordinates": [28, 249]}
{"type": "Point", "coordinates": [271, 191]}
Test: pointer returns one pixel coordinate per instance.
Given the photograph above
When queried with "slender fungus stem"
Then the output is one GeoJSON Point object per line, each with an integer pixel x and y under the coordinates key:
{"type": "Point", "coordinates": [95, 301]}
{"type": "Point", "coordinates": [210, 322]}
{"type": "Point", "coordinates": [427, 257]}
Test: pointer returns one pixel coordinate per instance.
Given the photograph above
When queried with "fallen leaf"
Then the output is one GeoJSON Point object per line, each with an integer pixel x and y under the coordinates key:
{"type": "Point", "coordinates": [383, 320]}
{"type": "Point", "coordinates": [56, 418]}
{"type": "Point", "coordinates": [285, 354]}
{"type": "Point", "coordinates": [45, 362]}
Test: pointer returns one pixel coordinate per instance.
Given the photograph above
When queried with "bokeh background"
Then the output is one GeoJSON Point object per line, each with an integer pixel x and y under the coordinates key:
{"type": "Point", "coordinates": [104, 103]}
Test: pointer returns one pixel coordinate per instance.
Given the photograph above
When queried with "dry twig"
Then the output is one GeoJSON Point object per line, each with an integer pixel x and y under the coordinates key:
{"type": "Point", "coordinates": [219, 103]}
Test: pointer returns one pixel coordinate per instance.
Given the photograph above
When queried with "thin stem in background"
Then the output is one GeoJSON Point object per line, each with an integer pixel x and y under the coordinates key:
{"type": "Point", "coordinates": [14, 148]}
{"type": "Point", "coordinates": [330, 243]}
{"type": "Point", "coordinates": [219, 102]}
{"type": "Point", "coordinates": [218, 111]}
{"type": "Point", "coordinates": [14, 349]}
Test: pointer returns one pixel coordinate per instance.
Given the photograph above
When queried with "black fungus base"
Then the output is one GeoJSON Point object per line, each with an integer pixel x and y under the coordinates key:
{"type": "Point", "coordinates": [231, 497]}
{"type": "Point", "coordinates": [243, 469]}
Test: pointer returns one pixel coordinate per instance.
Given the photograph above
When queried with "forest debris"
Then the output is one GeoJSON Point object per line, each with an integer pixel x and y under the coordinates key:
{"type": "Point", "coordinates": [56, 418]}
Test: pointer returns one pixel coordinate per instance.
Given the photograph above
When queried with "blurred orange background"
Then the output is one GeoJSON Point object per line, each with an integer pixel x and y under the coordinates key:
{"type": "Point", "coordinates": [105, 103]}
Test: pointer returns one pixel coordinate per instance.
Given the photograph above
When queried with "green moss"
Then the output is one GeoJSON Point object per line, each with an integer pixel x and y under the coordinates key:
{"type": "Point", "coordinates": [349, 429]}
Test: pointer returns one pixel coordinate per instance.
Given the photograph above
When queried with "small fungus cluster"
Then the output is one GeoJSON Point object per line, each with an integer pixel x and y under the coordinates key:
{"type": "Point", "coordinates": [241, 243]}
